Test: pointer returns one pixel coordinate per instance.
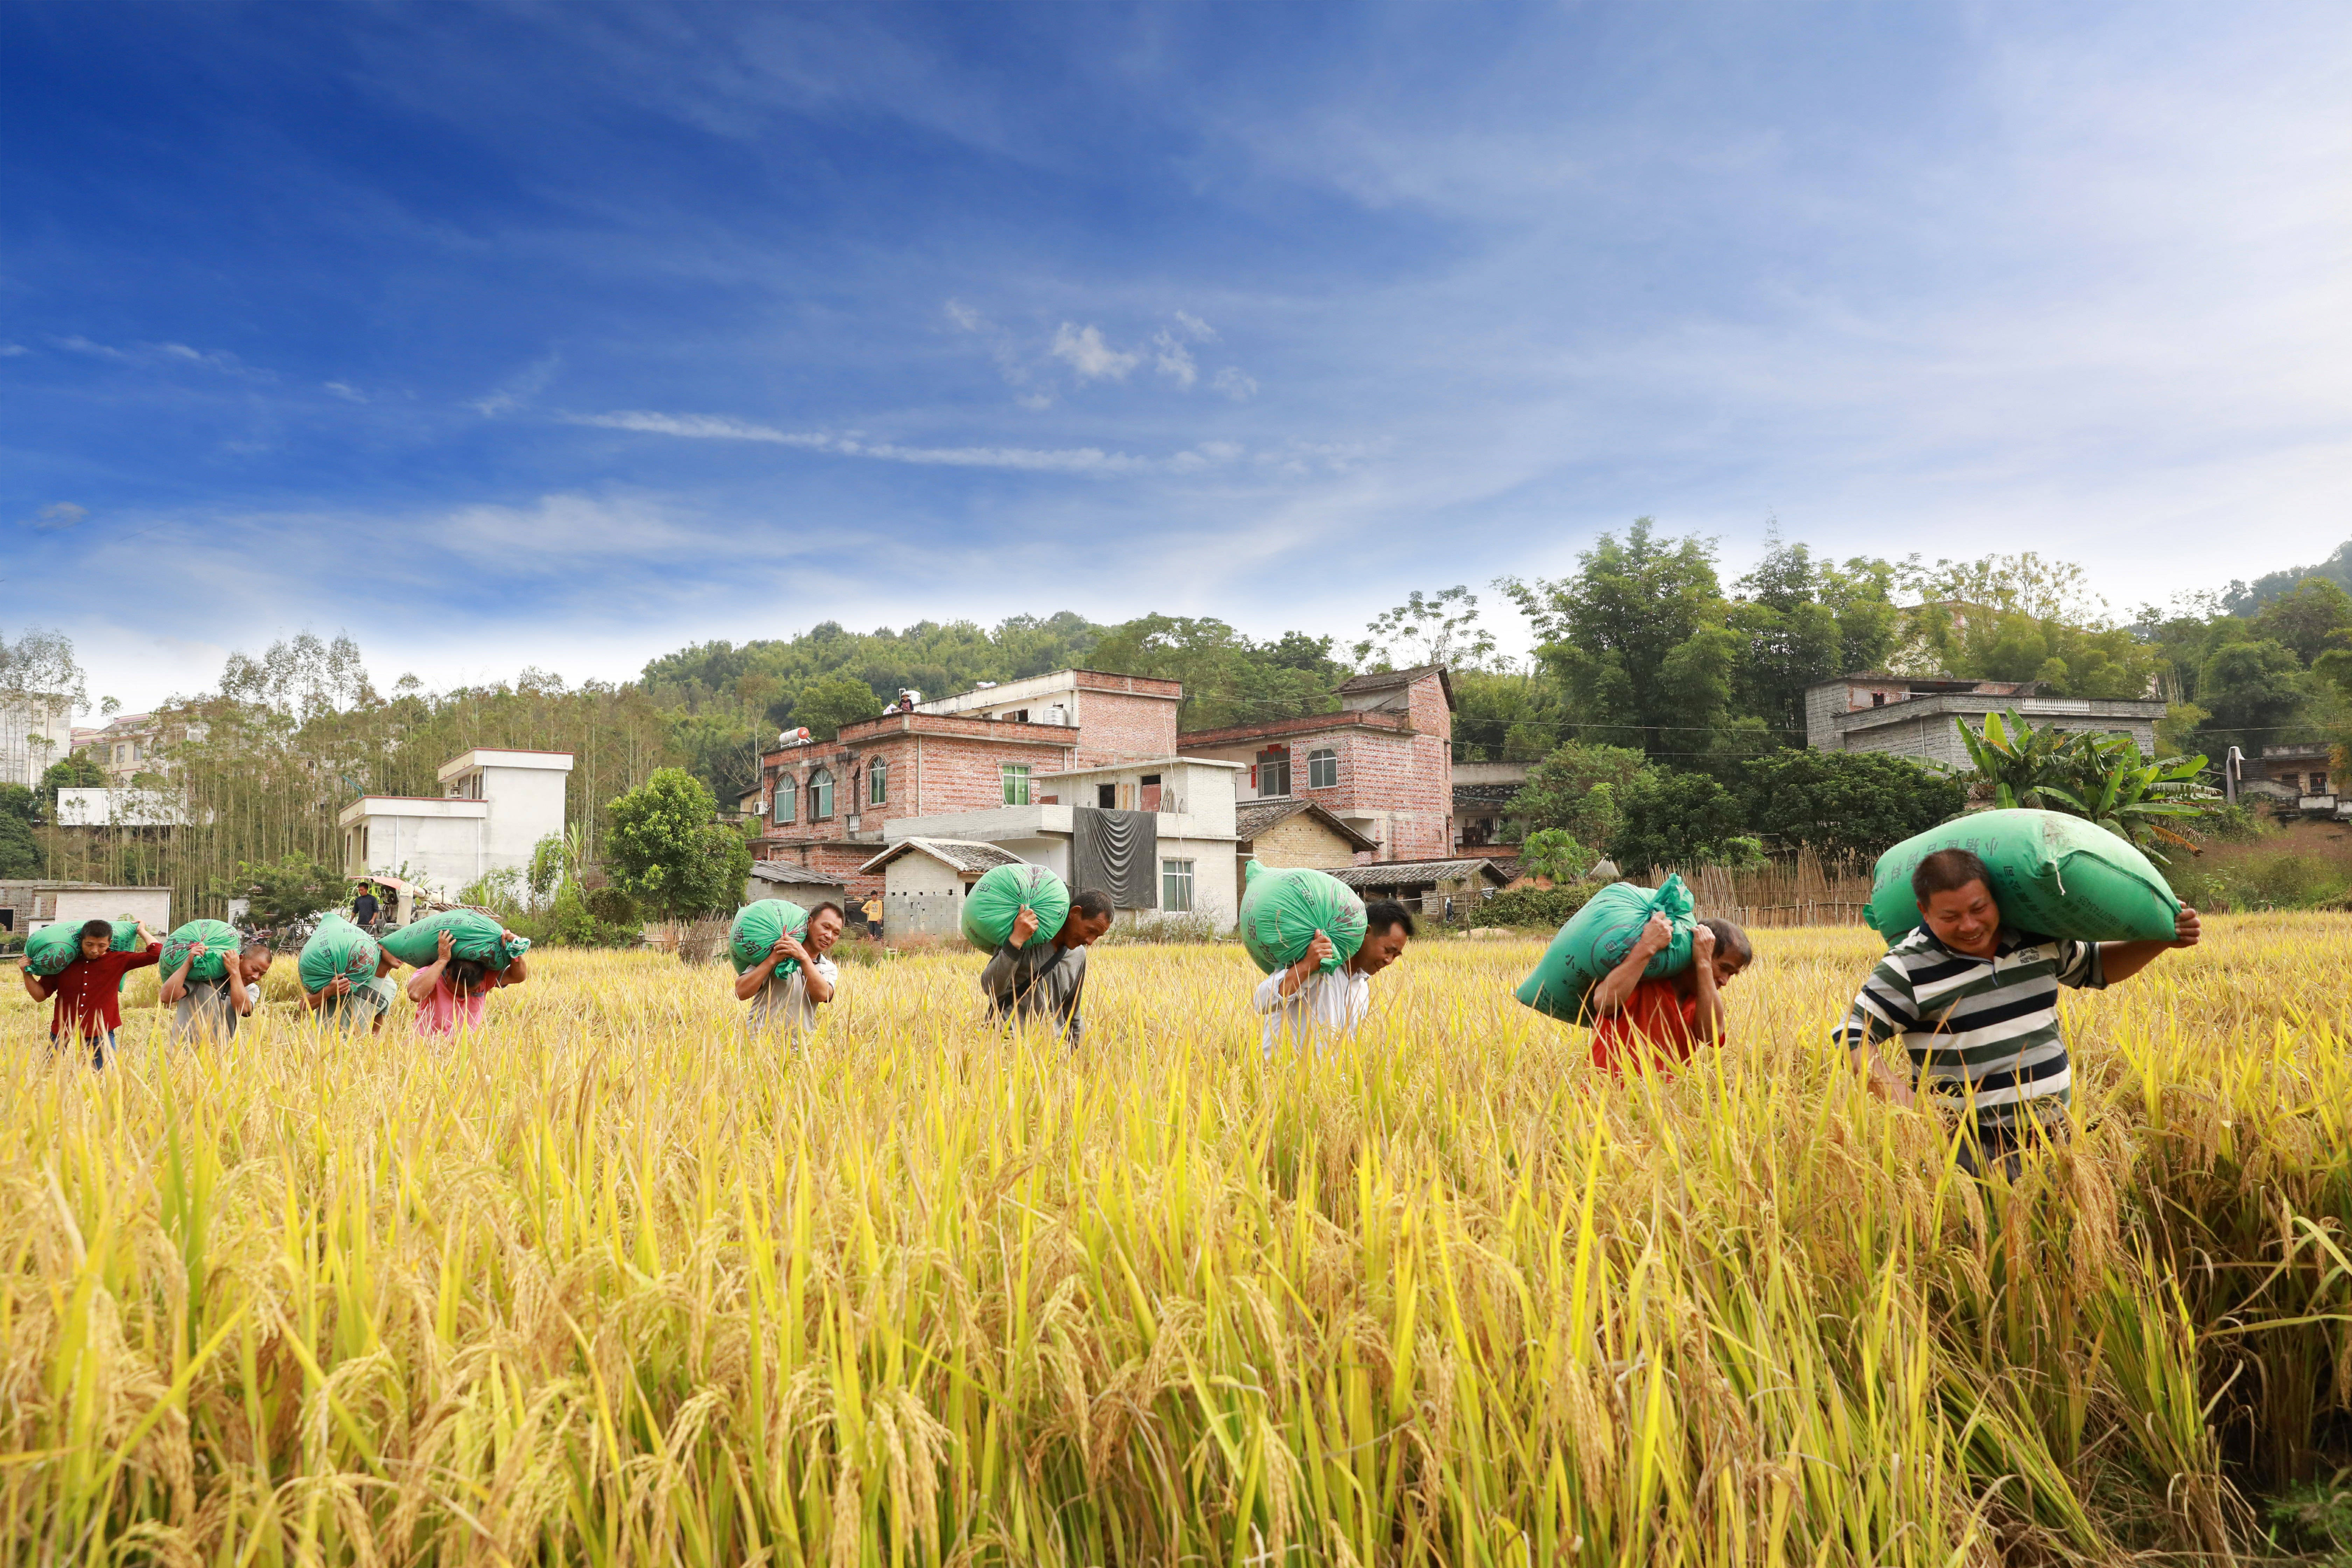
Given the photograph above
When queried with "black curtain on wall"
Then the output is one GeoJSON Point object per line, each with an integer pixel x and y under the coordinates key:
{"type": "Point", "coordinates": [1117, 852]}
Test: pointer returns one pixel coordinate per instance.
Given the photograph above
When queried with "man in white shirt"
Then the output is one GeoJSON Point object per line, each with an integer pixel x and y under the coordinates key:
{"type": "Point", "coordinates": [792, 999]}
{"type": "Point", "coordinates": [1308, 1005]}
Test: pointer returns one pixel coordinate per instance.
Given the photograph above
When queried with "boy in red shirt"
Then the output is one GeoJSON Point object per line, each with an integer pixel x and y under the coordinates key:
{"type": "Point", "coordinates": [1662, 1021]}
{"type": "Point", "coordinates": [89, 990]}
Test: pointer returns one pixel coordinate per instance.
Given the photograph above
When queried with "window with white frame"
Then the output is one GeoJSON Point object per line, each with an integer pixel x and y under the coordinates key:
{"type": "Point", "coordinates": [877, 783]}
{"type": "Point", "coordinates": [1322, 768]}
{"type": "Point", "coordinates": [1176, 887]}
{"type": "Point", "coordinates": [788, 797]}
{"type": "Point", "coordinates": [1016, 784]}
{"type": "Point", "coordinates": [1273, 771]}
{"type": "Point", "coordinates": [820, 794]}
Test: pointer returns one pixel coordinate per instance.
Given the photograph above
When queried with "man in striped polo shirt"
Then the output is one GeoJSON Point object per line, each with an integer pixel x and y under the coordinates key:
{"type": "Point", "coordinates": [1975, 1003]}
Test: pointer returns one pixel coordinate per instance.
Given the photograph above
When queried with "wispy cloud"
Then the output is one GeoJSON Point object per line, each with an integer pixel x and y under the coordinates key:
{"type": "Point", "coordinates": [1088, 460]}
{"type": "Point", "coordinates": [1084, 351]}
{"type": "Point", "coordinates": [1174, 361]}
{"type": "Point", "coordinates": [10, 351]}
{"type": "Point", "coordinates": [58, 516]}
{"type": "Point", "coordinates": [519, 389]}
{"type": "Point", "coordinates": [1235, 384]}
{"type": "Point", "coordinates": [165, 353]}
{"type": "Point", "coordinates": [346, 391]}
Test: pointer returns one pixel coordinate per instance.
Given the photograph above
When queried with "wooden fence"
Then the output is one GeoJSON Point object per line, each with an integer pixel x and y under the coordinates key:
{"type": "Point", "coordinates": [1794, 892]}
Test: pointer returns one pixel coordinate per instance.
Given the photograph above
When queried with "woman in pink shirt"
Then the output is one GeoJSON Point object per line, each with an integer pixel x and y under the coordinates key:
{"type": "Point", "coordinates": [448, 992]}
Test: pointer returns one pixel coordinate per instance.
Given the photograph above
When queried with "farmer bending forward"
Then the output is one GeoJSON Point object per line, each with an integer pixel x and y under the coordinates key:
{"type": "Point", "coordinates": [792, 999]}
{"type": "Point", "coordinates": [89, 990]}
{"type": "Point", "coordinates": [214, 1007]}
{"type": "Point", "coordinates": [1977, 1005]}
{"type": "Point", "coordinates": [448, 992]}
{"type": "Point", "coordinates": [1306, 1003]}
{"type": "Point", "coordinates": [1050, 982]}
{"type": "Point", "coordinates": [1659, 1023]}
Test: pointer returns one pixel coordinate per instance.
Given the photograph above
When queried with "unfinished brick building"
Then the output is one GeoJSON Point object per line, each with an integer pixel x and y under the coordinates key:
{"type": "Point", "coordinates": [823, 804]}
{"type": "Point", "coordinates": [1384, 765]}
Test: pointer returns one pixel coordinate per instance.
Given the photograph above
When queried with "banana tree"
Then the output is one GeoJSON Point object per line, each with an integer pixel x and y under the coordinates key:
{"type": "Point", "coordinates": [2134, 797]}
{"type": "Point", "coordinates": [2102, 777]}
{"type": "Point", "coordinates": [2016, 762]}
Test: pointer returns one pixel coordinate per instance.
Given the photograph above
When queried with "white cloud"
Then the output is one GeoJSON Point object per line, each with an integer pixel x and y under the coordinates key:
{"type": "Point", "coordinates": [10, 351]}
{"type": "Point", "coordinates": [1085, 352]}
{"type": "Point", "coordinates": [1196, 328]}
{"type": "Point", "coordinates": [519, 390]}
{"type": "Point", "coordinates": [1088, 460]}
{"type": "Point", "coordinates": [346, 391]}
{"type": "Point", "coordinates": [59, 515]}
{"type": "Point", "coordinates": [82, 345]}
{"type": "Point", "coordinates": [964, 316]}
{"type": "Point", "coordinates": [1175, 360]}
{"type": "Point", "coordinates": [1235, 384]}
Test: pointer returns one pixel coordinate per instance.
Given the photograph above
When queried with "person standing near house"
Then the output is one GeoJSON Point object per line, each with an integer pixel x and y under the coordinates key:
{"type": "Point", "coordinates": [346, 1006]}
{"type": "Point", "coordinates": [792, 999]}
{"type": "Point", "coordinates": [364, 909]}
{"type": "Point", "coordinates": [1639, 1022]}
{"type": "Point", "coordinates": [1050, 982]}
{"type": "Point", "coordinates": [1307, 1005]}
{"type": "Point", "coordinates": [449, 992]}
{"type": "Point", "coordinates": [872, 913]}
{"type": "Point", "coordinates": [1975, 1005]}
{"type": "Point", "coordinates": [89, 990]}
{"type": "Point", "coordinates": [214, 1007]}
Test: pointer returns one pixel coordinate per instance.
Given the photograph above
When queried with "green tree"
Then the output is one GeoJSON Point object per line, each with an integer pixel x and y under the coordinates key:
{"type": "Point", "coordinates": [1637, 637]}
{"type": "Point", "coordinates": [1228, 679]}
{"type": "Point", "coordinates": [2315, 616]}
{"type": "Point", "coordinates": [20, 812]}
{"type": "Point", "coordinates": [1682, 821]}
{"type": "Point", "coordinates": [1580, 789]}
{"type": "Point", "coordinates": [664, 844]}
{"type": "Point", "coordinates": [292, 888]}
{"type": "Point", "coordinates": [1844, 803]}
{"type": "Point", "coordinates": [1505, 716]}
{"type": "Point", "coordinates": [76, 769]}
{"type": "Point", "coordinates": [1800, 621]}
{"type": "Point", "coordinates": [1435, 629]}
{"type": "Point", "coordinates": [2254, 688]}
{"type": "Point", "coordinates": [827, 703]}
{"type": "Point", "coordinates": [1555, 853]}
{"type": "Point", "coordinates": [722, 749]}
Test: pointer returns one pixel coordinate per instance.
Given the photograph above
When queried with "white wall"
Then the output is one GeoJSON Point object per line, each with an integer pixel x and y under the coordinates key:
{"type": "Point", "coordinates": [75, 905]}
{"type": "Point", "coordinates": [440, 845]}
{"type": "Point", "coordinates": [1213, 893]}
{"type": "Point", "coordinates": [526, 806]}
{"type": "Point", "coordinates": [96, 805]}
{"type": "Point", "coordinates": [920, 896]}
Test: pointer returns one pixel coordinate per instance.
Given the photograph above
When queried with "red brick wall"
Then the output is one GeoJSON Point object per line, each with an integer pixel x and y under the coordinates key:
{"type": "Point", "coordinates": [1115, 727]}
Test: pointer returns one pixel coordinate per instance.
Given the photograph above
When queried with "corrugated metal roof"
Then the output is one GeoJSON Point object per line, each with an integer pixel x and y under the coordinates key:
{"type": "Point", "coordinates": [788, 873]}
{"type": "Point", "coordinates": [1415, 873]}
{"type": "Point", "coordinates": [964, 855]}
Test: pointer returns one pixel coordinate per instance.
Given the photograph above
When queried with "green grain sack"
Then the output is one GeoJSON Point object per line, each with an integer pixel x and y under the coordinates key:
{"type": "Point", "coordinates": [58, 943]}
{"type": "Point", "coordinates": [472, 934]}
{"type": "Point", "coordinates": [336, 947]}
{"type": "Point", "coordinates": [1596, 940]}
{"type": "Point", "coordinates": [997, 900]}
{"type": "Point", "coordinates": [2053, 875]}
{"type": "Point", "coordinates": [220, 940]}
{"type": "Point", "coordinates": [1283, 910]}
{"type": "Point", "coordinates": [757, 929]}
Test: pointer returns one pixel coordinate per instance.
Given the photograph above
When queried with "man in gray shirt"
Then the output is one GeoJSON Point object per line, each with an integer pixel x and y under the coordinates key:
{"type": "Point", "coordinates": [1049, 982]}
{"type": "Point", "coordinates": [201, 1007]}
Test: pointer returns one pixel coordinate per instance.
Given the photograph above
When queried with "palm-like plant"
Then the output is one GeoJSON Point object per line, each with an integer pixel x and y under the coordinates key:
{"type": "Point", "coordinates": [2102, 778]}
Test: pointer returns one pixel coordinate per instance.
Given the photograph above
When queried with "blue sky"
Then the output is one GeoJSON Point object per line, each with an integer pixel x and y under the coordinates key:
{"type": "Point", "coordinates": [564, 334]}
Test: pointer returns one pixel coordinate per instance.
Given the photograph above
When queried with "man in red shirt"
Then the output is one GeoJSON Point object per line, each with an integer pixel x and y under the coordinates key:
{"type": "Point", "coordinates": [89, 990]}
{"type": "Point", "coordinates": [1662, 1021]}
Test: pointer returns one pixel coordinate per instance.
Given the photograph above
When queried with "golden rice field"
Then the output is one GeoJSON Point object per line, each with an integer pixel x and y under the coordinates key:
{"type": "Point", "coordinates": [603, 1286]}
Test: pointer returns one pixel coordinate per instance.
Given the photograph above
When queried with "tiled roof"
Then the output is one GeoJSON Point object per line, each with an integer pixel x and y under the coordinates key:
{"type": "Point", "coordinates": [1249, 821]}
{"type": "Point", "coordinates": [964, 855]}
{"type": "Point", "coordinates": [1486, 795]}
{"type": "Point", "coordinates": [1415, 873]}
{"type": "Point", "coordinates": [787, 873]}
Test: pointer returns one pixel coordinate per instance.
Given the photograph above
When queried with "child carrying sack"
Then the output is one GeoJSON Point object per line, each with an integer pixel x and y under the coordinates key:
{"type": "Point", "coordinates": [2053, 875]}
{"type": "Point", "coordinates": [337, 947]}
{"type": "Point", "coordinates": [221, 943]}
{"type": "Point", "coordinates": [472, 934]}
{"type": "Point", "coordinates": [997, 900]}
{"type": "Point", "coordinates": [1596, 940]}
{"type": "Point", "coordinates": [58, 943]}
{"type": "Point", "coordinates": [757, 929]}
{"type": "Point", "coordinates": [1283, 910]}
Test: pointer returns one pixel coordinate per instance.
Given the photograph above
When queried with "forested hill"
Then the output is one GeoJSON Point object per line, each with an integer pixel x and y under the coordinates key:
{"type": "Point", "coordinates": [734, 694]}
{"type": "Point", "coordinates": [2245, 598]}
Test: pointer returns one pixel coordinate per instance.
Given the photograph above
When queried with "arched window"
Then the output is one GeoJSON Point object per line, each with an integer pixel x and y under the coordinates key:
{"type": "Point", "coordinates": [788, 797]}
{"type": "Point", "coordinates": [877, 783]}
{"type": "Point", "coordinates": [820, 795]}
{"type": "Point", "coordinates": [1322, 768]}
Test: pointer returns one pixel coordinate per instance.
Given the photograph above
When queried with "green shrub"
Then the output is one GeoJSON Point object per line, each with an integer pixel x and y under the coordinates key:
{"type": "Point", "coordinates": [1544, 908]}
{"type": "Point", "coordinates": [614, 907]}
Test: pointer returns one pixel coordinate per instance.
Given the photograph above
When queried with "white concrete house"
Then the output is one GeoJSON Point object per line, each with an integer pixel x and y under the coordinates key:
{"type": "Point", "coordinates": [33, 905]}
{"type": "Point", "coordinates": [496, 805]}
{"type": "Point", "coordinates": [926, 880]}
{"type": "Point", "coordinates": [1192, 799]}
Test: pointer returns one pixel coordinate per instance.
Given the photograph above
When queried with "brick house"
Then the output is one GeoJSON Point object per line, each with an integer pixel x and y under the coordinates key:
{"type": "Point", "coordinates": [1294, 832]}
{"type": "Point", "coordinates": [1917, 716]}
{"type": "Point", "coordinates": [1384, 765]}
{"type": "Point", "coordinates": [823, 805]}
